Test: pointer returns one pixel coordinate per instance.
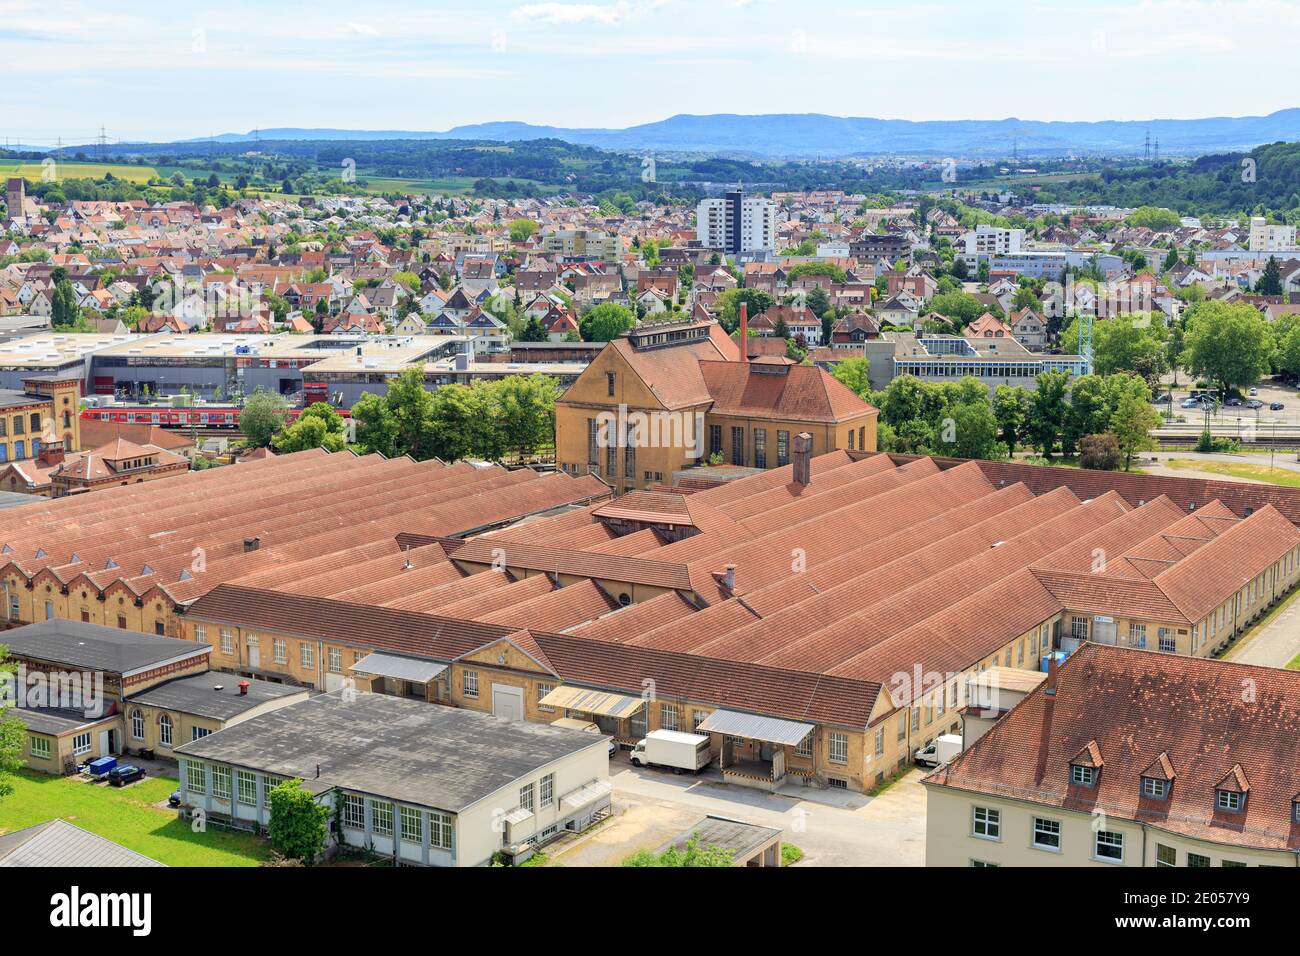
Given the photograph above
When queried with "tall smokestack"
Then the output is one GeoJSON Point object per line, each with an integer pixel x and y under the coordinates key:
{"type": "Point", "coordinates": [744, 332]}
{"type": "Point", "coordinates": [803, 458]}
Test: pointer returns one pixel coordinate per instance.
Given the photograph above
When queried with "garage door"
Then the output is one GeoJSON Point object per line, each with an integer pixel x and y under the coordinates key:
{"type": "Point", "coordinates": [508, 701]}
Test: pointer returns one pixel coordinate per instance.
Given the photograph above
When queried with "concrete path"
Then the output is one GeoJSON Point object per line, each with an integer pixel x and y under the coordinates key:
{"type": "Point", "coordinates": [1275, 644]}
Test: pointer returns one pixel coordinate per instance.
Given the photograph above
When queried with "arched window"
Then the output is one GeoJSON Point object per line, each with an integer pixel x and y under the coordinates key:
{"type": "Point", "coordinates": [137, 725]}
{"type": "Point", "coordinates": [165, 730]}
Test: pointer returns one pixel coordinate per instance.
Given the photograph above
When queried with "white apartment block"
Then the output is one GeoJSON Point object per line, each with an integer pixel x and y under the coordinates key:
{"type": "Point", "coordinates": [986, 240]}
{"type": "Point", "coordinates": [737, 224]}
{"type": "Point", "coordinates": [1269, 238]}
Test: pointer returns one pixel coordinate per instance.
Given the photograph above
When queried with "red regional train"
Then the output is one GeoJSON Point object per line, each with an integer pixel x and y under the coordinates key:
{"type": "Point", "coordinates": [205, 416]}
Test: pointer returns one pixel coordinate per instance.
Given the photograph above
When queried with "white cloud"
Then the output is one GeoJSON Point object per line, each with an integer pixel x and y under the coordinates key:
{"type": "Point", "coordinates": [571, 13]}
{"type": "Point", "coordinates": [361, 29]}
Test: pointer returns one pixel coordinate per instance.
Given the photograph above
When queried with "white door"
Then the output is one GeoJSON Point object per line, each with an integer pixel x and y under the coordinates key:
{"type": "Point", "coordinates": [254, 656]}
{"type": "Point", "coordinates": [507, 702]}
{"type": "Point", "coordinates": [103, 743]}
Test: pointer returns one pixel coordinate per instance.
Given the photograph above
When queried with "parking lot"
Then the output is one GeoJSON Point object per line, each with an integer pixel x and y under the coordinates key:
{"type": "Point", "coordinates": [833, 828]}
{"type": "Point", "coordinates": [1268, 393]}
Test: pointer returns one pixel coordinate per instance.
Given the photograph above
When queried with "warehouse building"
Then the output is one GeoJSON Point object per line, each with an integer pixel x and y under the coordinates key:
{"type": "Point", "coordinates": [820, 621]}
{"type": "Point", "coordinates": [421, 784]}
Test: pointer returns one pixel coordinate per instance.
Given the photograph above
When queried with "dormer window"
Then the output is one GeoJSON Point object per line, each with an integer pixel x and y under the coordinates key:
{"type": "Point", "coordinates": [1155, 789]}
{"type": "Point", "coordinates": [1229, 800]}
{"type": "Point", "coordinates": [1083, 776]}
{"type": "Point", "coordinates": [1295, 809]}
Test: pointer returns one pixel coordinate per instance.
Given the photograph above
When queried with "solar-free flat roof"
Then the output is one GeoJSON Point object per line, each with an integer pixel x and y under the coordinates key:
{"type": "Point", "coordinates": [84, 646]}
{"type": "Point", "coordinates": [423, 754]}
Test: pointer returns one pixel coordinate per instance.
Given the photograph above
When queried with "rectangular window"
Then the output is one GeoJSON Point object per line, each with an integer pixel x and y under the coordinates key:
{"type": "Point", "coordinates": [804, 748]}
{"type": "Point", "coordinates": [1082, 776]}
{"type": "Point", "coordinates": [760, 447]}
{"type": "Point", "coordinates": [81, 743]}
{"type": "Point", "coordinates": [1229, 800]}
{"type": "Point", "coordinates": [1197, 860]}
{"type": "Point", "coordinates": [227, 641]}
{"type": "Point", "coordinates": [1079, 628]}
{"type": "Point", "coordinates": [782, 447]}
{"type": "Point", "coordinates": [307, 655]}
{"type": "Point", "coordinates": [269, 783]}
{"type": "Point", "coordinates": [526, 797]}
{"type": "Point", "coordinates": [669, 717]}
{"type": "Point", "coordinates": [198, 733]}
{"type": "Point", "coordinates": [1110, 846]}
{"type": "Point", "coordinates": [412, 825]}
{"type": "Point", "coordinates": [547, 788]}
{"type": "Point", "coordinates": [439, 830]}
{"type": "Point", "coordinates": [542, 691]}
{"type": "Point", "coordinates": [246, 787]}
{"type": "Point", "coordinates": [880, 741]}
{"type": "Point", "coordinates": [40, 747]}
{"type": "Point", "coordinates": [593, 445]}
{"type": "Point", "coordinates": [986, 824]}
{"type": "Point", "coordinates": [737, 445]}
{"type": "Point", "coordinates": [837, 747]}
{"type": "Point", "coordinates": [280, 649]}
{"type": "Point", "coordinates": [1047, 834]}
{"type": "Point", "coordinates": [610, 379]}
{"type": "Point", "coordinates": [715, 439]}
{"type": "Point", "coordinates": [137, 726]}
{"type": "Point", "coordinates": [196, 781]}
{"type": "Point", "coordinates": [381, 818]}
{"type": "Point", "coordinates": [354, 812]}
{"type": "Point", "coordinates": [1166, 855]}
{"type": "Point", "coordinates": [200, 634]}
{"type": "Point", "coordinates": [902, 726]}
{"type": "Point", "coordinates": [336, 660]}
{"type": "Point", "coordinates": [1167, 642]}
{"type": "Point", "coordinates": [221, 783]}
{"type": "Point", "coordinates": [1137, 635]}
{"type": "Point", "coordinates": [697, 718]}
{"type": "Point", "coordinates": [1156, 789]}
{"type": "Point", "coordinates": [470, 684]}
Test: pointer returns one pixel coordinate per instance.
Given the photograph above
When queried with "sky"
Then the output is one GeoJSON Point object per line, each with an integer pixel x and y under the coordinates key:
{"type": "Point", "coordinates": [155, 71]}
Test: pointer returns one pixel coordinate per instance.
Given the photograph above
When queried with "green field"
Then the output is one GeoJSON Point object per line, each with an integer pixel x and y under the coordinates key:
{"type": "Point", "coordinates": [74, 170]}
{"type": "Point", "coordinates": [1231, 469]}
{"type": "Point", "coordinates": [129, 816]}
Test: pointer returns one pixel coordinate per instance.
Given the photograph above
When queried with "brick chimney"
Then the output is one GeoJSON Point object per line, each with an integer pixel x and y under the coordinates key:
{"type": "Point", "coordinates": [252, 544]}
{"type": "Point", "coordinates": [803, 459]}
{"type": "Point", "coordinates": [744, 332]}
{"type": "Point", "coordinates": [729, 577]}
{"type": "Point", "coordinates": [51, 453]}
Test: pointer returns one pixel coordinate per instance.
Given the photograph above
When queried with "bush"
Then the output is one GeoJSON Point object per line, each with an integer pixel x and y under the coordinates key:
{"type": "Point", "coordinates": [298, 823]}
{"type": "Point", "coordinates": [1099, 452]}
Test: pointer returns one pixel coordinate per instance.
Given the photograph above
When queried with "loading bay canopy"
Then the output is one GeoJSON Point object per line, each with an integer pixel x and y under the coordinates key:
{"type": "Point", "coordinates": [592, 702]}
{"type": "Point", "coordinates": [771, 730]}
{"type": "Point", "coordinates": [399, 668]}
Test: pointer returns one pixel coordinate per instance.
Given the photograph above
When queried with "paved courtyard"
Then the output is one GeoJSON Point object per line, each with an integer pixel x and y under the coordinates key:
{"type": "Point", "coordinates": [1276, 643]}
{"type": "Point", "coordinates": [832, 828]}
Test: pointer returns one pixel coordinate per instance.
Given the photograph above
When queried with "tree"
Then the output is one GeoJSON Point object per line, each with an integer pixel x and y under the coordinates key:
{"type": "Point", "coordinates": [961, 307]}
{"type": "Point", "coordinates": [854, 373]}
{"type": "Point", "coordinates": [522, 229]}
{"type": "Point", "coordinates": [605, 322]}
{"type": "Point", "coordinates": [974, 431]}
{"type": "Point", "coordinates": [1047, 410]}
{"type": "Point", "coordinates": [13, 732]}
{"type": "Point", "coordinates": [298, 823]}
{"type": "Point", "coordinates": [64, 312]}
{"type": "Point", "coordinates": [691, 855]}
{"type": "Point", "coordinates": [1154, 218]}
{"type": "Point", "coordinates": [756, 302]}
{"type": "Point", "coordinates": [1099, 452]}
{"type": "Point", "coordinates": [1230, 344]}
{"type": "Point", "coordinates": [1011, 409]}
{"type": "Point", "coordinates": [1270, 281]}
{"type": "Point", "coordinates": [1088, 412]}
{"type": "Point", "coordinates": [262, 417]}
{"type": "Point", "coordinates": [1131, 424]}
{"type": "Point", "coordinates": [401, 422]}
{"type": "Point", "coordinates": [319, 426]}
{"type": "Point", "coordinates": [533, 331]}
{"type": "Point", "coordinates": [524, 408]}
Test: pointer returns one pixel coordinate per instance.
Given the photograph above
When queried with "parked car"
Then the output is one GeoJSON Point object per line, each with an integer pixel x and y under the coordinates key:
{"type": "Point", "coordinates": [1276, 407]}
{"type": "Point", "coordinates": [1190, 403]}
{"type": "Point", "coordinates": [1254, 391]}
{"type": "Point", "coordinates": [1162, 399]}
{"type": "Point", "coordinates": [126, 773]}
{"type": "Point", "coordinates": [1234, 402]}
{"type": "Point", "coordinates": [1254, 403]}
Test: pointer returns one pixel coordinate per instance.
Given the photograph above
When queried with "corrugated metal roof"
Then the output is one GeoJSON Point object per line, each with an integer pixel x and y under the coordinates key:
{"type": "Point", "coordinates": [753, 727]}
{"type": "Point", "coordinates": [399, 668]}
{"type": "Point", "coordinates": [592, 701]}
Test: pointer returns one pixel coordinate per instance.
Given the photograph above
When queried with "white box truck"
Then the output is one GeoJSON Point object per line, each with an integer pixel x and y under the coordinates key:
{"type": "Point", "coordinates": [939, 751]}
{"type": "Point", "coordinates": [673, 750]}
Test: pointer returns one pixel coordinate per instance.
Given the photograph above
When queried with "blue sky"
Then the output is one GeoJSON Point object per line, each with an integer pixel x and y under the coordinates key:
{"type": "Point", "coordinates": [192, 68]}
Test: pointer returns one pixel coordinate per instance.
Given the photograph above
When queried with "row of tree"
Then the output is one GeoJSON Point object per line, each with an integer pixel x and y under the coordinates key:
{"type": "Point", "coordinates": [961, 419]}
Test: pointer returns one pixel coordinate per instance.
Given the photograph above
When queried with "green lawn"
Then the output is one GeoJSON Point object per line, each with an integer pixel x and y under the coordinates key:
{"type": "Point", "coordinates": [1232, 469]}
{"type": "Point", "coordinates": [1295, 664]}
{"type": "Point", "coordinates": [72, 169]}
{"type": "Point", "coordinates": [127, 816]}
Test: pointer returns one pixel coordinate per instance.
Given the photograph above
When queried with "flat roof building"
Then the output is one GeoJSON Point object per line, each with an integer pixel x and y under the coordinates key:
{"type": "Point", "coordinates": [421, 783]}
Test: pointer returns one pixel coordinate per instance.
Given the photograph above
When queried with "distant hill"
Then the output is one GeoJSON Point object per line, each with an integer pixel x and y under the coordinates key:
{"type": "Point", "coordinates": [806, 135]}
